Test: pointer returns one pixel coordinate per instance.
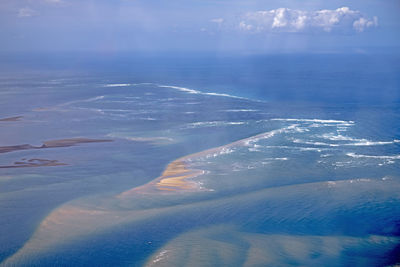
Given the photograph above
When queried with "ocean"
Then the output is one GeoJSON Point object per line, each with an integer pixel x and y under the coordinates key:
{"type": "Point", "coordinates": [200, 160]}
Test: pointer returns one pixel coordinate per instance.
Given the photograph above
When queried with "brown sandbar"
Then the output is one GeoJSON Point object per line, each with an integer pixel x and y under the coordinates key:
{"type": "Point", "coordinates": [34, 163]}
{"type": "Point", "coordinates": [53, 143]}
{"type": "Point", "coordinates": [16, 118]}
{"type": "Point", "coordinates": [176, 176]}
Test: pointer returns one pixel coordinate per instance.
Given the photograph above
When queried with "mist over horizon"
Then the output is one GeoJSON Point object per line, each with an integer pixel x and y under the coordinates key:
{"type": "Point", "coordinates": [213, 26]}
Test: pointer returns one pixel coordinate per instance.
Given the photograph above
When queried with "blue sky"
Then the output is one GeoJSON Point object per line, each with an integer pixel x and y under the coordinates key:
{"type": "Point", "coordinates": [208, 25]}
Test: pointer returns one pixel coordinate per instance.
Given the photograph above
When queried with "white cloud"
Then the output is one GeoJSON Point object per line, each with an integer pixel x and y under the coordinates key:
{"type": "Point", "coordinates": [26, 12]}
{"type": "Point", "coordinates": [362, 23]}
{"type": "Point", "coordinates": [290, 20]}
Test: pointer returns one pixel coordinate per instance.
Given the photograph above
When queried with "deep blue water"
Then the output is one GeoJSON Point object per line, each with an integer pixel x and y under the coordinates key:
{"type": "Point", "coordinates": [319, 186]}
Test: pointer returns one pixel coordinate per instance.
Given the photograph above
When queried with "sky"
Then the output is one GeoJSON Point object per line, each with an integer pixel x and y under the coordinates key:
{"type": "Point", "coordinates": [270, 26]}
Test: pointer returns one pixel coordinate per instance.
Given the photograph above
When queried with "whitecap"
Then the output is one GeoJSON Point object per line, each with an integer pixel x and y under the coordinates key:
{"type": "Point", "coordinates": [91, 99]}
{"type": "Point", "coordinates": [370, 143]}
{"type": "Point", "coordinates": [300, 141]}
{"type": "Point", "coordinates": [342, 122]}
{"type": "Point", "coordinates": [283, 159]}
{"type": "Point", "coordinates": [222, 151]}
{"type": "Point", "coordinates": [160, 256]}
{"type": "Point", "coordinates": [124, 84]}
{"type": "Point", "coordinates": [240, 110]}
{"type": "Point", "coordinates": [354, 155]}
{"type": "Point", "coordinates": [357, 141]}
{"type": "Point", "coordinates": [339, 137]}
{"type": "Point", "coordinates": [212, 124]}
{"type": "Point", "coordinates": [117, 85]}
{"type": "Point", "coordinates": [269, 134]}
{"type": "Point", "coordinates": [193, 91]}
{"type": "Point", "coordinates": [183, 89]}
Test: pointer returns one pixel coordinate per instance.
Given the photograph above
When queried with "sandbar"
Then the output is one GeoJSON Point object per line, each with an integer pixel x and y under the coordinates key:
{"type": "Point", "coordinates": [178, 175]}
{"type": "Point", "coordinates": [52, 143]}
{"type": "Point", "coordinates": [34, 163]}
{"type": "Point", "coordinates": [16, 118]}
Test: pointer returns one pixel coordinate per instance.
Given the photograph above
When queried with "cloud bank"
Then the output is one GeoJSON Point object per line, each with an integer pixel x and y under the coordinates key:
{"type": "Point", "coordinates": [342, 20]}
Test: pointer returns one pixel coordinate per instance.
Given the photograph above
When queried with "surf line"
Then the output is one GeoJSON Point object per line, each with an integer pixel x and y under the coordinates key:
{"type": "Point", "coordinates": [178, 175]}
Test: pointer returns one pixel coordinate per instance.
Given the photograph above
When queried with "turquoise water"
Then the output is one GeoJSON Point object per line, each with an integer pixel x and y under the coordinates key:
{"type": "Point", "coordinates": [299, 163]}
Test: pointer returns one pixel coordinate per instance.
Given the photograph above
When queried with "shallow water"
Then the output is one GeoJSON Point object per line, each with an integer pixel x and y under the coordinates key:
{"type": "Point", "coordinates": [308, 182]}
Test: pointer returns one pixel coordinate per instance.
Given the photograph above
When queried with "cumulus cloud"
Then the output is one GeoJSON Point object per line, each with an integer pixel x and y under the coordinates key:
{"type": "Point", "coordinates": [290, 20]}
{"type": "Point", "coordinates": [26, 12]}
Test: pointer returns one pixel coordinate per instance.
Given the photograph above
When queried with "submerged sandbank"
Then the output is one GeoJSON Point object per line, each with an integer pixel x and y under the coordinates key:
{"type": "Point", "coordinates": [52, 143]}
{"type": "Point", "coordinates": [15, 118]}
{"type": "Point", "coordinates": [34, 163]}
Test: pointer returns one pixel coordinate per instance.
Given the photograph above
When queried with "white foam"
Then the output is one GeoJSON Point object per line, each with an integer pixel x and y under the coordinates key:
{"type": "Point", "coordinates": [124, 84]}
{"type": "Point", "coordinates": [357, 141]}
{"type": "Point", "coordinates": [117, 85]}
{"type": "Point", "coordinates": [283, 159]}
{"type": "Point", "coordinates": [301, 129]}
{"type": "Point", "coordinates": [359, 180]}
{"type": "Point", "coordinates": [354, 155]}
{"type": "Point", "coordinates": [212, 124]}
{"type": "Point", "coordinates": [240, 110]}
{"type": "Point", "coordinates": [300, 141]}
{"type": "Point", "coordinates": [219, 94]}
{"type": "Point", "coordinates": [96, 110]}
{"type": "Point", "coordinates": [346, 123]}
{"type": "Point", "coordinates": [193, 91]}
{"type": "Point", "coordinates": [183, 89]}
{"type": "Point", "coordinates": [351, 181]}
{"type": "Point", "coordinates": [222, 151]}
{"type": "Point", "coordinates": [370, 143]}
{"type": "Point", "coordinates": [91, 99]}
{"type": "Point", "coordinates": [120, 101]}
{"type": "Point", "coordinates": [310, 149]}
{"type": "Point", "coordinates": [339, 137]}
{"type": "Point", "coordinates": [236, 123]}
{"type": "Point", "coordinates": [160, 256]}
{"type": "Point", "coordinates": [269, 134]}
